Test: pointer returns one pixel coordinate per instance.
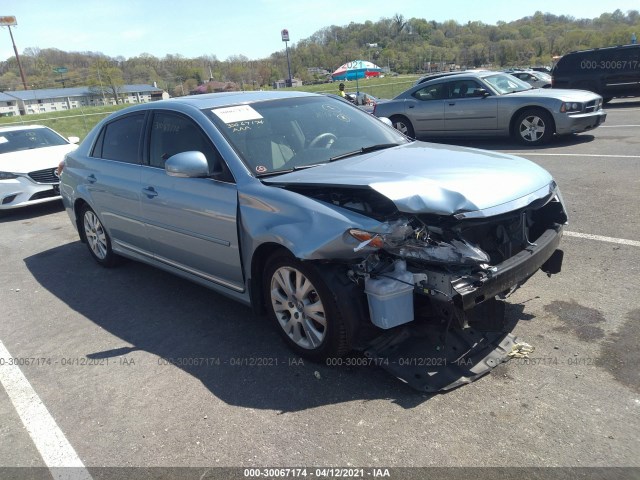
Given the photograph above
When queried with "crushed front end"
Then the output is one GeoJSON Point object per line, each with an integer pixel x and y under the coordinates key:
{"type": "Point", "coordinates": [461, 267]}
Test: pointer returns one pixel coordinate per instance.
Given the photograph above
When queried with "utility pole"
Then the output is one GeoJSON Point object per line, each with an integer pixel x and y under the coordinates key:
{"type": "Point", "coordinates": [9, 22]}
{"type": "Point", "coordinates": [285, 39]}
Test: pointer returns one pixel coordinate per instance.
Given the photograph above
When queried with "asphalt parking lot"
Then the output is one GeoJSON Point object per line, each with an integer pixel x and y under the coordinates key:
{"type": "Point", "coordinates": [137, 368]}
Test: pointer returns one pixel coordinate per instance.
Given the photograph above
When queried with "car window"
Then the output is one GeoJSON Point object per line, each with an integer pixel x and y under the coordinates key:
{"type": "Point", "coordinates": [12, 141]}
{"type": "Point", "coordinates": [432, 92]}
{"type": "Point", "coordinates": [284, 134]}
{"type": "Point", "coordinates": [463, 89]}
{"type": "Point", "coordinates": [120, 139]}
{"type": "Point", "coordinates": [173, 133]}
{"type": "Point", "coordinates": [504, 83]}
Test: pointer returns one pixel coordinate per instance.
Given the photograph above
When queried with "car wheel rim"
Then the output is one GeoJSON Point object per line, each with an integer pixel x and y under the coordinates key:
{"type": "Point", "coordinates": [402, 128]}
{"type": "Point", "coordinates": [96, 237]}
{"type": "Point", "coordinates": [532, 128]}
{"type": "Point", "coordinates": [298, 307]}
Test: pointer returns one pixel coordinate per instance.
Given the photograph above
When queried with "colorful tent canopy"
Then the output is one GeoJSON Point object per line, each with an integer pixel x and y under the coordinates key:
{"type": "Point", "coordinates": [356, 69]}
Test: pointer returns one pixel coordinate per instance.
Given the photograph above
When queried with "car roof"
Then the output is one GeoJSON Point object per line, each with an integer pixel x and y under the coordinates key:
{"type": "Point", "coordinates": [21, 127]}
{"type": "Point", "coordinates": [435, 76]}
{"type": "Point", "coordinates": [212, 100]}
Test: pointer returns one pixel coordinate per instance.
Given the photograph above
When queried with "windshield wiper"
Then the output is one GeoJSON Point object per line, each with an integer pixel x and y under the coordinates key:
{"type": "Point", "coordinates": [371, 148]}
{"type": "Point", "coordinates": [288, 170]}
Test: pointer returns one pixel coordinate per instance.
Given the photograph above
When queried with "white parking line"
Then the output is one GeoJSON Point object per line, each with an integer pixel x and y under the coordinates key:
{"type": "Point", "coordinates": [615, 126]}
{"type": "Point", "coordinates": [600, 238]}
{"type": "Point", "coordinates": [56, 451]}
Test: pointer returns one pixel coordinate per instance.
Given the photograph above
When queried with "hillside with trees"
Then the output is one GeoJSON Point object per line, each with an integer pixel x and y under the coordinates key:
{"type": "Point", "coordinates": [402, 45]}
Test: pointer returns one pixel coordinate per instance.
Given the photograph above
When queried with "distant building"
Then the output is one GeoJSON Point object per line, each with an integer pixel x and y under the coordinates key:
{"type": "Point", "coordinates": [8, 106]}
{"type": "Point", "coordinates": [282, 83]}
{"type": "Point", "coordinates": [58, 99]}
{"type": "Point", "coordinates": [318, 71]}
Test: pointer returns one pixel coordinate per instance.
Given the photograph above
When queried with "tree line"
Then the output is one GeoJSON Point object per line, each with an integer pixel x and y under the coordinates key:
{"type": "Point", "coordinates": [398, 44]}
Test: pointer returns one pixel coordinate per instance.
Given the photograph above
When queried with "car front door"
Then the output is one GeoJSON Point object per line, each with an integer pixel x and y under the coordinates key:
{"type": "Point", "coordinates": [467, 110]}
{"type": "Point", "coordinates": [190, 222]}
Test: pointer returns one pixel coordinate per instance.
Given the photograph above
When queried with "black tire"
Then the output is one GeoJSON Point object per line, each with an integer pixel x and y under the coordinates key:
{"type": "Point", "coordinates": [306, 314]}
{"type": "Point", "coordinates": [96, 237]}
{"type": "Point", "coordinates": [533, 127]}
{"type": "Point", "coordinates": [403, 125]}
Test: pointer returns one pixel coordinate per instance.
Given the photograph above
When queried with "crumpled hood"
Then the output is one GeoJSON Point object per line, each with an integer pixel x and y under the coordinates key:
{"type": "Point", "coordinates": [430, 178]}
{"type": "Point", "coordinates": [25, 161]}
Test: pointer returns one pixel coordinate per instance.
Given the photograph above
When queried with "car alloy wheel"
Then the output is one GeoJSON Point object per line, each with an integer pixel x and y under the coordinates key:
{"type": "Point", "coordinates": [298, 308]}
{"type": "Point", "coordinates": [96, 238]}
{"type": "Point", "coordinates": [534, 127]}
{"type": "Point", "coordinates": [95, 235]}
{"type": "Point", "coordinates": [403, 126]}
{"type": "Point", "coordinates": [301, 301]}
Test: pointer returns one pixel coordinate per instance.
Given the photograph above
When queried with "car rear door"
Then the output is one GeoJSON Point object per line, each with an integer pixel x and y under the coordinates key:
{"type": "Point", "coordinates": [190, 222]}
{"type": "Point", "coordinates": [110, 178]}
{"type": "Point", "coordinates": [467, 110]}
{"type": "Point", "coordinates": [425, 109]}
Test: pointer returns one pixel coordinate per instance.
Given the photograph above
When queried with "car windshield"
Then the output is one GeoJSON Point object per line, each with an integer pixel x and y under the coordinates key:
{"type": "Point", "coordinates": [276, 136]}
{"type": "Point", "coordinates": [15, 140]}
{"type": "Point", "coordinates": [504, 83]}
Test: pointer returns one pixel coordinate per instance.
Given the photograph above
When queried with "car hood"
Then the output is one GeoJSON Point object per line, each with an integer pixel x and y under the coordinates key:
{"type": "Point", "coordinates": [565, 95]}
{"type": "Point", "coordinates": [25, 161]}
{"type": "Point", "coordinates": [431, 178]}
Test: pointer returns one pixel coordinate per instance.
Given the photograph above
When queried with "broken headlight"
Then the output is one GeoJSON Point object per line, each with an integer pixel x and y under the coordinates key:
{"type": "Point", "coordinates": [420, 244]}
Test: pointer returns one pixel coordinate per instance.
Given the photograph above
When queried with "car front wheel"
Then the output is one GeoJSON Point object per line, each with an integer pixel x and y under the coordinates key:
{"type": "Point", "coordinates": [304, 308]}
{"type": "Point", "coordinates": [96, 238]}
{"type": "Point", "coordinates": [533, 127]}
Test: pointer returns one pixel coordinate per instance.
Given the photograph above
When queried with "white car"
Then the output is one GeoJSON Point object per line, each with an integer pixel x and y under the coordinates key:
{"type": "Point", "coordinates": [533, 78]}
{"type": "Point", "coordinates": [29, 157]}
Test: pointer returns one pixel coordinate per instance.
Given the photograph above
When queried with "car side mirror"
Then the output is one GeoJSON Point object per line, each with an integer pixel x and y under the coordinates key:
{"type": "Point", "coordinates": [481, 92]}
{"type": "Point", "coordinates": [74, 140]}
{"type": "Point", "coordinates": [386, 121]}
{"type": "Point", "coordinates": [189, 164]}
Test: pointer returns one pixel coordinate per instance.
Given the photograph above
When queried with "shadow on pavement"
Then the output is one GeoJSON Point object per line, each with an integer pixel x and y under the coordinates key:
{"type": "Point", "coordinates": [30, 212]}
{"type": "Point", "coordinates": [175, 319]}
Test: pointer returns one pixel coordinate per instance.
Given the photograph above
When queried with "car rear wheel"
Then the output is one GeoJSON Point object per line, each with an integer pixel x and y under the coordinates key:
{"type": "Point", "coordinates": [403, 125]}
{"type": "Point", "coordinates": [533, 127]}
{"type": "Point", "coordinates": [96, 238]}
{"type": "Point", "coordinates": [304, 308]}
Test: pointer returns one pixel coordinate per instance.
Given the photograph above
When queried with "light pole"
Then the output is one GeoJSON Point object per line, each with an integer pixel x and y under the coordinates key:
{"type": "Point", "coordinates": [9, 22]}
{"type": "Point", "coordinates": [285, 39]}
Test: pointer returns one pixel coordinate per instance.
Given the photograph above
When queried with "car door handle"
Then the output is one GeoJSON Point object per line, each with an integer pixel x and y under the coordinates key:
{"type": "Point", "coordinates": [412, 106]}
{"type": "Point", "coordinates": [92, 178]}
{"type": "Point", "coordinates": [150, 192]}
{"type": "Point", "coordinates": [452, 104]}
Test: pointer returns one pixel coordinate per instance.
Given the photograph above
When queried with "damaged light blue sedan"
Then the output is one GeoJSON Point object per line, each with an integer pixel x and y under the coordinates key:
{"type": "Point", "coordinates": [349, 235]}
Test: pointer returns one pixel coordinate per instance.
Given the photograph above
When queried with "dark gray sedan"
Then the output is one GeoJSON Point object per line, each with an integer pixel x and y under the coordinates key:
{"type": "Point", "coordinates": [491, 104]}
{"type": "Point", "coordinates": [308, 208]}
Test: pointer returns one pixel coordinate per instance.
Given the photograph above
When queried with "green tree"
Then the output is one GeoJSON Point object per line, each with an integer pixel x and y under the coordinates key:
{"type": "Point", "coordinates": [106, 79]}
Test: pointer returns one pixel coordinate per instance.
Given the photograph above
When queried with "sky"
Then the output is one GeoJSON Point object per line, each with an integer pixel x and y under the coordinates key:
{"type": "Point", "coordinates": [228, 28]}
